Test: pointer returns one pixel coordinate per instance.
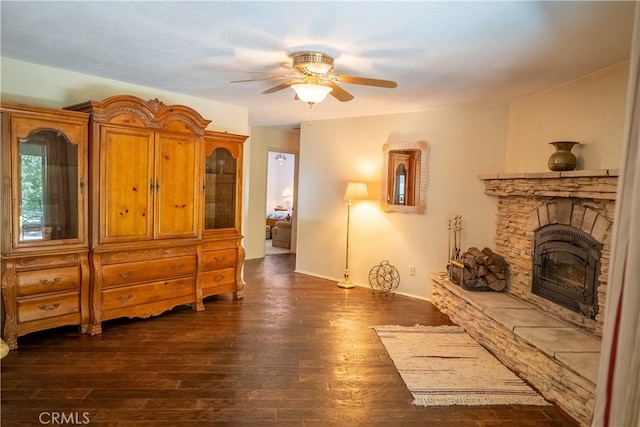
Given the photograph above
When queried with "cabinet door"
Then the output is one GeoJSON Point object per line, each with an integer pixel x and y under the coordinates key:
{"type": "Point", "coordinates": [127, 184]}
{"type": "Point", "coordinates": [48, 180]}
{"type": "Point", "coordinates": [179, 188]}
{"type": "Point", "coordinates": [221, 192]}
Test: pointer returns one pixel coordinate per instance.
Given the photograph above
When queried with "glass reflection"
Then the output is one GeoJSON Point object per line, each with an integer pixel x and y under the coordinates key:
{"type": "Point", "coordinates": [220, 190]}
{"type": "Point", "coordinates": [48, 186]}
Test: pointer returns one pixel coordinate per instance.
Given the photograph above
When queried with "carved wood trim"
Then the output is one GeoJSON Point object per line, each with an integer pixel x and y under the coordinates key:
{"type": "Point", "coordinates": [143, 254]}
{"type": "Point", "coordinates": [8, 285]}
{"type": "Point", "coordinates": [199, 305]}
{"type": "Point", "coordinates": [95, 318]}
{"type": "Point", "coordinates": [43, 263]}
{"type": "Point", "coordinates": [239, 294]}
{"type": "Point", "coordinates": [153, 113]}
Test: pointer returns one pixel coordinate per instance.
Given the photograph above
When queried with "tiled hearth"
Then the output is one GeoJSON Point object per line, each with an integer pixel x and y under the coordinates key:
{"type": "Point", "coordinates": [553, 348]}
{"type": "Point", "coordinates": [556, 358]}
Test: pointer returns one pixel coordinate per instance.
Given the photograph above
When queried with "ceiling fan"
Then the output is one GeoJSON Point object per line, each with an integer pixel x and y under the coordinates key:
{"type": "Point", "coordinates": [312, 79]}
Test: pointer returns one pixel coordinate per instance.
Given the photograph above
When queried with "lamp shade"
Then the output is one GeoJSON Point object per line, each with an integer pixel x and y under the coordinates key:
{"type": "Point", "coordinates": [311, 93]}
{"type": "Point", "coordinates": [287, 192]}
{"type": "Point", "coordinates": [356, 191]}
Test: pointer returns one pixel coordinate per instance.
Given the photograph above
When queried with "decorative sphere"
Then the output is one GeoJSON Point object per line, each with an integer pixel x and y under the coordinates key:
{"type": "Point", "coordinates": [384, 278]}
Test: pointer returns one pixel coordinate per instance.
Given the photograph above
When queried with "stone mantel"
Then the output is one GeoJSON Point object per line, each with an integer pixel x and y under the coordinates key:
{"type": "Point", "coordinates": [598, 184]}
{"type": "Point", "coordinates": [547, 175]}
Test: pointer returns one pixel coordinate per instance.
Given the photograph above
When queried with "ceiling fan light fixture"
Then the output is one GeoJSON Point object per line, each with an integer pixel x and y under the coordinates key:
{"type": "Point", "coordinates": [313, 62]}
{"type": "Point", "coordinates": [310, 93]}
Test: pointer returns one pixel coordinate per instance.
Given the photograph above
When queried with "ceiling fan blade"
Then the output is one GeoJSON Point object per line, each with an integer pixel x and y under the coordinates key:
{"type": "Point", "coordinates": [339, 93]}
{"type": "Point", "coordinates": [261, 79]}
{"type": "Point", "coordinates": [280, 86]}
{"type": "Point", "coordinates": [366, 81]}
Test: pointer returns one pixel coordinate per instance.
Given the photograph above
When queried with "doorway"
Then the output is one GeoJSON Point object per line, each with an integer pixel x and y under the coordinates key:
{"type": "Point", "coordinates": [280, 207]}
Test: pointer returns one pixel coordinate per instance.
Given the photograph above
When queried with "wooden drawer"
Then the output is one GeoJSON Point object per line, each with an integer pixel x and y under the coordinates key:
{"type": "Point", "coordinates": [49, 306]}
{"type": "Point", "coordinates": [127, 296]}
{"type": "Point", "coordinates": [218, 259]}
{"type": "Point", "coordinates": [213, 279]}
{"type": "Point", "coordinates": [147, 271]}
{"type": "Point", "coordinates": [49, 280]}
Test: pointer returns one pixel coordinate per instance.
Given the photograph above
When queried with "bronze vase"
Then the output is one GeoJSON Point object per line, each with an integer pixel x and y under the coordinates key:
{"type": "Point", "coordinates": [563, 159]}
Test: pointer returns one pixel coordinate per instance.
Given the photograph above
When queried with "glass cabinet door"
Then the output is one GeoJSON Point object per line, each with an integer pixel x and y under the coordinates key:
{"type": "Point", "coordinates": [220, 190]}
{"type": "Point", "coordinates": [48, 180]}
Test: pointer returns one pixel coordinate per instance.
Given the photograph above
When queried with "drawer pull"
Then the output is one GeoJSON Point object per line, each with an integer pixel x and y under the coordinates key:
{"type": "Point", "coordinates": [49, 307]}
{"type": "Point", "coordinates": [219, 258]}
{"type": "Point", "coordinates": [50, 282]}
{"type": "Point", "coordinates": [124, 298]}
{"type": "Point", "coordinates": [125, 274]}
{"type": "Point", "coordinates": [218, 277]}
{"type": "Point", "coordinates": [177, 267]}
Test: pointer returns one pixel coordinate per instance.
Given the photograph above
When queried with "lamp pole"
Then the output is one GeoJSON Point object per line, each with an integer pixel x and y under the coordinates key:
{"type": "Point", "coordinates": [346, 283]}
{"type": "Point", "coordinates": [354, 191]}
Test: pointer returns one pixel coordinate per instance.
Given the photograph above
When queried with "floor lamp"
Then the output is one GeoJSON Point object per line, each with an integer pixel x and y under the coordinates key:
{"type": "Point", "coordinates": [355, 191]}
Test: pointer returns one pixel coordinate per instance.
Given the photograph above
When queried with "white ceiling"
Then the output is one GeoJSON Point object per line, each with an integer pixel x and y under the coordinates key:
{"type": "Point", "coordinates": [441, 53]}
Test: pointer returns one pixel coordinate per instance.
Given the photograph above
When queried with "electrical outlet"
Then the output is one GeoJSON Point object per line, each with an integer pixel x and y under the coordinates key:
{"type": "Point", "coordinates": [412, 270]}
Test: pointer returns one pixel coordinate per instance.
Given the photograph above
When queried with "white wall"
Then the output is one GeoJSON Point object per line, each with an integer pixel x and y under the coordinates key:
{"type": "Point", "coordinates": [463, 143]}
{"type": "Point", "coordinates": [590, 110]}
{"type": "Point", "coordinates": [42, 86]}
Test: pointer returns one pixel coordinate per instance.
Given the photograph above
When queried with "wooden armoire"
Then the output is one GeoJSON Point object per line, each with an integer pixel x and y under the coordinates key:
{"type": "Point", "coordinates": [164, 209]}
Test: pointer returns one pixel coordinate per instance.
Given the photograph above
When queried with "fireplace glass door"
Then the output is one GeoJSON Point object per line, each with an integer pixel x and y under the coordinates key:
{"type": "Point", "coordinates": [566, 268]}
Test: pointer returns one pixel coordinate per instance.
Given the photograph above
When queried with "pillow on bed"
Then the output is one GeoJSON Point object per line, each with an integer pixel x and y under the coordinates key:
{"type": "Point", "coordinates": [277, 214]}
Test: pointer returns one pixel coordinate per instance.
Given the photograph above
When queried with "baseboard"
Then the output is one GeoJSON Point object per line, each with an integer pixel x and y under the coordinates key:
{"type": "Point", "coordinates": [359, 284]}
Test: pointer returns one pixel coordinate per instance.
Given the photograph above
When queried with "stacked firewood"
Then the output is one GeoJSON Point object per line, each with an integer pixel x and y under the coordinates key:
{"type": "Point", "coordinates": [479, 270]}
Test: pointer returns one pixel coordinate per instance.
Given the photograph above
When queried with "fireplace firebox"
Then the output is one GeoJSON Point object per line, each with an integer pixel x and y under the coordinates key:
{"type": "Point", "coordinates": [566, 266]}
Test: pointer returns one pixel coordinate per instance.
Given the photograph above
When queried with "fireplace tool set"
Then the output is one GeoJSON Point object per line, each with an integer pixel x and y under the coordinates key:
{"type": "Point", "coordinates": [454, 244]}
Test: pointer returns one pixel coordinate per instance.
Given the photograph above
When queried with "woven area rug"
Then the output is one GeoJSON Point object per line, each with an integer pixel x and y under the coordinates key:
{"type": "Point", "coordinates": [443, 365]}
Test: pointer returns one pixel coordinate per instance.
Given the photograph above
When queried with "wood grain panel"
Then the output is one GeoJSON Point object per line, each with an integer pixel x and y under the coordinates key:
{"type": "Point", "coordinates": [49, 280]}
{"type": "Point", "coordinates": [48, 306]}
{"type": "Point", "coordinates": [149, 270]}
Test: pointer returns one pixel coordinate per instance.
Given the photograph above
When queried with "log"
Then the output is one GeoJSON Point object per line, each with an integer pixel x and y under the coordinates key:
{"type": "Point", "coordinates": [482, 283]}
{"type": "Point", "coordinates": [495, 268]}
{"type": "Point", "coordinates": [490, 278]}
{"type": "Point", "coordinates": [480, 270]}
{"type": "Point", "coordinates": [469, 260]}
{"type": "Point", "coordinates": [495, 258]}
{"type": "Point", "coordinates": [480, 257]}
{"type": "Point", "coordinates": [498, 285]}
{"type": "Point", "coordinates": [467, 273]}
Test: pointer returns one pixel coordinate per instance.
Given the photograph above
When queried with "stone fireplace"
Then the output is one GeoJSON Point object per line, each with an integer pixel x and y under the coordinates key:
{"type": "Point", "coordinates": [554, 230]}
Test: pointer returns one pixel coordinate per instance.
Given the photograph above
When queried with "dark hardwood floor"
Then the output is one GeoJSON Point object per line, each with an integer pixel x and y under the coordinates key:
{"type": "Point", "coordinates": [295, 351]}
